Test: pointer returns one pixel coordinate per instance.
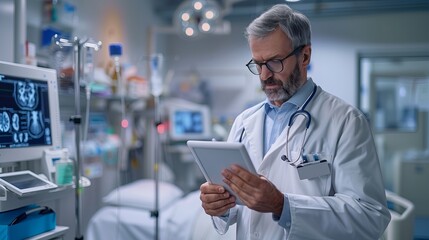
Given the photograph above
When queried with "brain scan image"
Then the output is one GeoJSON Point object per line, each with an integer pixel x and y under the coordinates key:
{"type": "Point", "coordinates": [48, 135]}
{"type": "Point", "coordinates": [15, 122]}
{"type": "Point", "coordinates": [25, 119]}
{"type": "Point", "coordinates": [4, 122]}
{"type": "Point", "coordinates": [26, 95]}
{"type": "Point", "coordinates": [36, 125]}
{"type": "Point", "coordinates": [20, 137]}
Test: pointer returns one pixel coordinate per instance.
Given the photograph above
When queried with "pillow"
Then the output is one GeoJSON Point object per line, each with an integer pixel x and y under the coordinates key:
{"type": "Point", "coordinates": [141, 194]}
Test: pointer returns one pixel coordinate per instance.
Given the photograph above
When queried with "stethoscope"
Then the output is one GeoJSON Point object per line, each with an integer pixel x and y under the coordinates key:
{"type": "Point", "coordinates": [307, 116]}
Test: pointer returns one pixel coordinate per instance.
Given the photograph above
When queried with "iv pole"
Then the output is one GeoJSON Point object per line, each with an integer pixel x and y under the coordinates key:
{"type": "Point", "coordinates": [156, 89]}
{"type": "Point", "coordinates": [77, 45]}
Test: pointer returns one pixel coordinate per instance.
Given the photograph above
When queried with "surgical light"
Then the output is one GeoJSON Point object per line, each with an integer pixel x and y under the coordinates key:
{"type": "Point", "coordinates": [186, 16]}
{"type": "Point", "coordinates": [193, 17]}
{"type": "Point", "coordinates": [205, 27]}
{"type": "Point", "coordinates": [209, 14]}
{"type": "Point", "coordinates": [198, 5]}
{"type": "Point", "coordinates": [189, 31]}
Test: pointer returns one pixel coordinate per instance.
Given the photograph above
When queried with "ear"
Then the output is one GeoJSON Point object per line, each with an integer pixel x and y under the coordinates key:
{"type": "Point", "coordinates": [306, 55]}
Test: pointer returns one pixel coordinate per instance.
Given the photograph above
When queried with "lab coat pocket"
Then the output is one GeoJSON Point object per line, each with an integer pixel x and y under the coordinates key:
{"type": "Point", "coordinates": [323, 180]}
{"type": "Point", "coordinates": [314, 172]}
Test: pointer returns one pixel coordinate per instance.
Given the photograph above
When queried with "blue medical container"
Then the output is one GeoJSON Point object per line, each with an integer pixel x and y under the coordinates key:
{"type": "Point", "coordinates": [26, 222]}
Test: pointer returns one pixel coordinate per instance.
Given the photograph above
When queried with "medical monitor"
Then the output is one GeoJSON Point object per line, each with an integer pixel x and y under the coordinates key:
{"type": "Point", "coordinates": [189, 122]}
{"type": "Point", "coordinates": [29, 112]}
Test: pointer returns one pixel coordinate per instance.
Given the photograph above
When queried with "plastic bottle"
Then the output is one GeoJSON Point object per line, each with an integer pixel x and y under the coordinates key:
{"type": "Point", "coordinates": [64, 170]}
{"type": "Point", "coordinates": [115, 52]}
{"type": "Point", "coordinates": [156, 79]}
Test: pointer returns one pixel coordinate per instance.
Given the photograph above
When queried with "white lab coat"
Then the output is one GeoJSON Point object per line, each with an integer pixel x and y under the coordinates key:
{"type": "Point", "coordinates": [350, 203]}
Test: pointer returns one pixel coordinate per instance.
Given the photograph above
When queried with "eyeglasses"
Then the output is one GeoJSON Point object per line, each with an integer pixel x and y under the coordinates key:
{"type": "Point", "coordinates": [274, 65]}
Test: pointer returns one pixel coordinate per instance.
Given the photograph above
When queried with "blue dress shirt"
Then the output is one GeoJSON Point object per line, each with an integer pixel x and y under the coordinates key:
{"type": "Point", "coordinates": [276, 119]}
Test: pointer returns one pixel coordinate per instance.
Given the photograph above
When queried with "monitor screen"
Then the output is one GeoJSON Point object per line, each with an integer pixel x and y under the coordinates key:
{"type": "Point", "coordinates": [29, 112]}
{"type": "Point", "coordinates": [189, 122]}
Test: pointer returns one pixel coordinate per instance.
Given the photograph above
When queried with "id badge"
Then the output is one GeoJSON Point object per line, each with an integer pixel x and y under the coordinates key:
{"type": "Point", "coordinates": [313, 169]}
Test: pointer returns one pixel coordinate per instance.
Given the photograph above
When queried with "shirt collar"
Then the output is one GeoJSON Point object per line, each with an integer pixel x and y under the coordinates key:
{"type": "Point", "coordinates": [296, 100]}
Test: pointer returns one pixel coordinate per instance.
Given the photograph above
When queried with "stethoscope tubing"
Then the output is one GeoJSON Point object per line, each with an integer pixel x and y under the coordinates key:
{"type": "Point", "coordinates": [307, 115]}
{"type": "Point", "coordinates": [303, 111]}
{"type": "Point", "coordinates": [292, 117]}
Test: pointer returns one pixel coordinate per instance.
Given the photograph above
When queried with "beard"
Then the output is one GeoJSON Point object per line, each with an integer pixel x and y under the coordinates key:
{"type": "Point", "coordinates": [286, 91]}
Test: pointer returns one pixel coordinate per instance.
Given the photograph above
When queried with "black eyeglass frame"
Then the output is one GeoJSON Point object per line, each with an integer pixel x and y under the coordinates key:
{"type": "Point", "coordinates": [251, 62]}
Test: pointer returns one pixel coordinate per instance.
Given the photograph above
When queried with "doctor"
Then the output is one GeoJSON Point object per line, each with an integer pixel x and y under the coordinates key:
{"type": "Point", "coordinates": [319, 175]}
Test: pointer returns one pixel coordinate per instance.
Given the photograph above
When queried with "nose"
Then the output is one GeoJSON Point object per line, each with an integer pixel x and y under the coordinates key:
{"type": "Point", "coordinates": [265, 73]}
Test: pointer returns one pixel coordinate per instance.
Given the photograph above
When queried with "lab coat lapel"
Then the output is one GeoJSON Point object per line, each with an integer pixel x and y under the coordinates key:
{"type": "Point", "coordinates": [254, 126]}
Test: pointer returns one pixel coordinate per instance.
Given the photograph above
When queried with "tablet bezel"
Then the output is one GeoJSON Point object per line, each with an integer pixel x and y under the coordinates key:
{"type": "Point", "coordinates": [26, 191]}
{"type": "Point", "coordinates": [226, 153]}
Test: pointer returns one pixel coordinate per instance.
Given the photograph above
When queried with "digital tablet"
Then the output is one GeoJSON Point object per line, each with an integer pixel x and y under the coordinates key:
{"type": "Point", "coordinates": [25, 182]}
{"type": "Point", "coordinates": [212, 157]}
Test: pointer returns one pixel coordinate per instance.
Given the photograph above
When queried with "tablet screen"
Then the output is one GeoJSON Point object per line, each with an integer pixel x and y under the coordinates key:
{"type": "Point", "coordinates": [23, 181]}
{"type": "Point", "coordinates": [213, 157]}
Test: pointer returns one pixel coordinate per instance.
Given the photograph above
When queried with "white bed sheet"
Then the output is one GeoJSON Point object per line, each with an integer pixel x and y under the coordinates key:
{"type": "Point", "coordinates": [184, 219]}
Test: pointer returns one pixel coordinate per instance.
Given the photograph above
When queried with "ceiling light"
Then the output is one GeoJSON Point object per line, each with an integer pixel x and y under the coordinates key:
{"type": "Point", "coordinates": [209, 14]}
{"type": "Point", "coordinates": [198, 5]}
{"type": "Point", "coordinates": [189, 31]}
{"type": "Point", "coordinates": [185, 16]}
{"type": "Point", "coordinates": [193, 16]}
{"type": "Point", "coordinates": [205, 27]}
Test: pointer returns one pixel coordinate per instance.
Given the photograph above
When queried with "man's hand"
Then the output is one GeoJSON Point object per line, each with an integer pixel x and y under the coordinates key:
{"type": "Point", "coordinates": [256, 192]}
{"type": "Point", "coordinates": [216, 201]}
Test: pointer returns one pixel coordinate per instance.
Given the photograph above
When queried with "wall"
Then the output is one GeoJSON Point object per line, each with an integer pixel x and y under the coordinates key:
{"type": "Point", "coordinates": [336, 43]}
{"type": "Point", "coordinates": [220, 60]}
{"type": "Point", "coordinates": [6, 36]}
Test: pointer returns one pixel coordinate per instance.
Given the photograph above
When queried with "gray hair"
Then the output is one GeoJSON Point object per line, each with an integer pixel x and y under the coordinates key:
{"type": "Point", "coordinates": [294, 24]}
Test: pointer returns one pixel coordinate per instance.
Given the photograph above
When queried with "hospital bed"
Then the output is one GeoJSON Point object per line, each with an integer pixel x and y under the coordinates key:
{"type": "Point", "coordinates": [126, 215]}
